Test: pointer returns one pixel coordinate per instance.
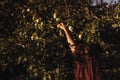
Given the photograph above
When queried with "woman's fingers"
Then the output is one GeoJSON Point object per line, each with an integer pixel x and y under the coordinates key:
{"type": "Point", "coordinates": [61, 25]}
{"type": "Point", "coordinates": [58, 25]}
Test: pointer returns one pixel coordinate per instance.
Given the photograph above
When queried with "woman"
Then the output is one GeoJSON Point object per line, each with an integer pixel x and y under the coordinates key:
{"type": "Point", "coordinates": [86, 66]}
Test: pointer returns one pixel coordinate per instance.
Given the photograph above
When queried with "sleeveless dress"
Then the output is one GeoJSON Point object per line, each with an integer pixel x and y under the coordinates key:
{"type": "Point", "coordinates": [85, 63]}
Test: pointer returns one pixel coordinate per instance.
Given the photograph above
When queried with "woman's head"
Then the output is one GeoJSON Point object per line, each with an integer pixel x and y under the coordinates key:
{"type": "Point", "coordinates": [82, 49]}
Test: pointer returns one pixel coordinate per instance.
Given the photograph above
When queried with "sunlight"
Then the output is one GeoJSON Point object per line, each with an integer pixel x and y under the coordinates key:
{"type": "Point", "coordinates": [108, 1]}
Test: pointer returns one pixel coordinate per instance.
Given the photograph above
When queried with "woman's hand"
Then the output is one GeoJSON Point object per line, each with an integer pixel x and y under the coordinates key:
{"type": "Point", "coordinates": [61, 26]}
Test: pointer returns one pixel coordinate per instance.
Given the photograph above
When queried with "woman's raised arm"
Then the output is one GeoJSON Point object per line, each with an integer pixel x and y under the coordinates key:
{"type": "Point", "coordinates": [68, 36]}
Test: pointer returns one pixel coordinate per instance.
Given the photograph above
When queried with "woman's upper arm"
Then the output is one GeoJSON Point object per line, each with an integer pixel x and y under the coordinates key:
{"type": "Point", "coordinates": [73, 48]}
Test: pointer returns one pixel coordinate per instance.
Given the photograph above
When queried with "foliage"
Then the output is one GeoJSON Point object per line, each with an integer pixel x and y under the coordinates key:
{"type": "Point", "coordinates": [32, 47]}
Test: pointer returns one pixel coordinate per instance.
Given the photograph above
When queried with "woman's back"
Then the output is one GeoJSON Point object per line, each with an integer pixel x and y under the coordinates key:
{"type": "Point", "coordinates": [85, 63]}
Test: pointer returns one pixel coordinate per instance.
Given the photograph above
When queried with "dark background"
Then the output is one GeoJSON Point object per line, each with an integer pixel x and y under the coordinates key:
{"type": "Point", "coordinates": [33, 48]}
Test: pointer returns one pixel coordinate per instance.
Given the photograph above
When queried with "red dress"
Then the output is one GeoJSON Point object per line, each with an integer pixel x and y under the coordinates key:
{"type": "Point", "coordinates": [86, 66]}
